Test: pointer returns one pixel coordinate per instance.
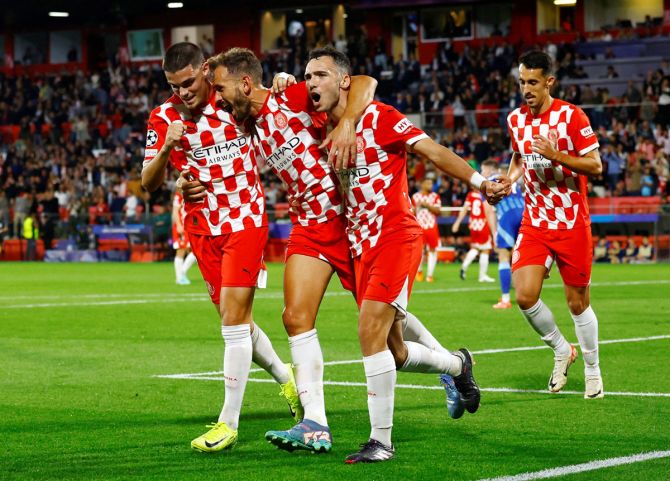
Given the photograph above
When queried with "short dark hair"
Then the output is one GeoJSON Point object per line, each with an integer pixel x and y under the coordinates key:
{"type": "Point", "coordinates": [182, 54]}
{"type": "Point", "coordinates": [340, 59]}
{"type": "Point", "coordinates": [490, 163]}
{"type": "Point", "coordinates": [238, 61]}
{"type": "Point", "coordinates": [537, 59]}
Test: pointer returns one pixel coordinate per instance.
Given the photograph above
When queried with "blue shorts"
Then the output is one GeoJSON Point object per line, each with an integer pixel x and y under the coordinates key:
{"type": "Point", "coordinates": [508, 228]}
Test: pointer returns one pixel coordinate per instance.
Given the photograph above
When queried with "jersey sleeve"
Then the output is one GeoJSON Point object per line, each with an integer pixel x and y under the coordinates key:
{"type": "Point", "coordinates": [513, 145]}
{"type": "Point", "coordinates": [155, 138]}
{"type": "Point", "coordinates": [579, 129]}
{"type": "Point", "coordinates": [394, 130]}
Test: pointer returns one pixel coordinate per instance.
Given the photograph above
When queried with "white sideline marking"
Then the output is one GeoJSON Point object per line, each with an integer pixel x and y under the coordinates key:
{"type": "Point", "coordinates": [422, 387]}
{"type": "Point", "coordinates": [153, 298]}
{"type": "Point", "coordinates": [581, 468]}
{"type": "Point", "coordinates": [485, 351]}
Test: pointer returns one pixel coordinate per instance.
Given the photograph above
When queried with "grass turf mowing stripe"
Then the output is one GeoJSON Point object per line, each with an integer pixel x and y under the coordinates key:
{"type": "Point", "coordinates": [581, 468]}
{"type": "Point", "coordinates": [161, 298]}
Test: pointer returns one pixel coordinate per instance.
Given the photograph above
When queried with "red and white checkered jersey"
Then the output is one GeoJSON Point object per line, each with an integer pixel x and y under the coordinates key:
{"type": "Point", "coordinates": [213, 147]}
{"type": "Point", "coordinates": [427, 220]}
{"type": "Point", "coordinates": [378, 203]}
{"type": "Point", "coordinates": [477, 219]}
{"type": "Point", "coordinates": [289, 132]}
{"type": "Point", "coordinates": [556, 197]}
{"type": "Point", "coordinates": [178, 203]}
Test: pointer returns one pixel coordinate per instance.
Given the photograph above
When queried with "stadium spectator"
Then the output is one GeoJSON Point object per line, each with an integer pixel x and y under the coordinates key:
{"type": "Point", "coordinates": [630, 252]}
{"type": "Point", "coordinates": [645, 252]}
{"type": "Point", "coordinates": [600, 251]}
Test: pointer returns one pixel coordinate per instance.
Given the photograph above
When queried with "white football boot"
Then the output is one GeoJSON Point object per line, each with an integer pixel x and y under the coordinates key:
{"type": "Point", "coordinates": [594, 388]}
{"type": "Point", "coordinates": [559, 376]}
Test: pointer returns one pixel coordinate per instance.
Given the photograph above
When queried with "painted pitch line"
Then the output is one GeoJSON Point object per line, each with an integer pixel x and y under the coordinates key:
{"type": "Point", "coordinates": [425, 388]}
{"type": "Point", "coordinates": [584, 467]}
{"type": "Point", "coordinates": [163, 298]}
{"type": "Point", "coordinates": [485, 351]}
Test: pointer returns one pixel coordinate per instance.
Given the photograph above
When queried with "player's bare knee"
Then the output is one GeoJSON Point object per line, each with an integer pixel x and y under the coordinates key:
{"type": "Point", "coordinates": [577, 305]}
{"type": "Point", "coordinates": [525, 300]}
{"type": "Point", "coordinates": [296, 321]}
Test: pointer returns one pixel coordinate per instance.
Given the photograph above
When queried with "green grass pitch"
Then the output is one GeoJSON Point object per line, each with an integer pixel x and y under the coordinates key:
{"type": "Point", "coordinates": [81, 346]}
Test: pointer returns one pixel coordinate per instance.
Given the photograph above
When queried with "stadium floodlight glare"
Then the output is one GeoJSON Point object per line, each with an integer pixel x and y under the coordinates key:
{"type": "Point", "coordinates": [175, 5]}
{"type": "Point", "coordinates": [59, 14]}
{"type": "Point", "coordinates": [298, 11]}
{"type": "Point", "coordinates": [565, 3]}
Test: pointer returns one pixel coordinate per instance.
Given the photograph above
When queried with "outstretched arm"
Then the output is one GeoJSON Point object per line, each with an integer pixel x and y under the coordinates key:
{"type": "Point", "coordinates": [453, 165]}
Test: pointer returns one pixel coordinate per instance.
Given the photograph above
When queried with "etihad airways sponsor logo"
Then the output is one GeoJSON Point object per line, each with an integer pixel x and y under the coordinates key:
{"type": "Point", "coordinates": [284, 156]}
{"type": "Point", "coordinates": [221, 152]}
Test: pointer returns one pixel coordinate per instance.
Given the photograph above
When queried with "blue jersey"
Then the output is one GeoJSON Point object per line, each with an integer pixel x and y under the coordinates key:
{"type": "Point", "coordinates": [509, 212]}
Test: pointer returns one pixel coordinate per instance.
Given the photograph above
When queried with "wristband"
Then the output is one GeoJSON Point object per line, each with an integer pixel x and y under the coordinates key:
{"type": "Point", "coordinates": [477, 180]}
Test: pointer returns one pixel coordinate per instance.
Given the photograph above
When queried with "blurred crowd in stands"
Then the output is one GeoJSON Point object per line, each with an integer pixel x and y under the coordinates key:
{"type": "Point", "coordinates": [79, 141]}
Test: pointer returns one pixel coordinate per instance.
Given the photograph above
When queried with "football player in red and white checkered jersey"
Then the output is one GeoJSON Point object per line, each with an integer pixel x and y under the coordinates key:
{"type": "Point", "coordinates": [385, 240]}
{"type": "Point", "coordinates": [554, 148]}
{"type": "Point", "coordinates": [427, 205]}
{"type": "Point", "coordinates": [183, 257]}
{"type": "Point", "coordinates": [227, 230]}
{"type": "Point", "coordinates": [481, 236]}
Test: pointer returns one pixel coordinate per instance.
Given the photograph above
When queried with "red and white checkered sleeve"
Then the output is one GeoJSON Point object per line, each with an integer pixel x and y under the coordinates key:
{"type": "Point", "coordinates": [511, 118]}
{"type": "Point", "coordinates": [155, 137]}
{"type": "Point", "coordinates": [394, 130]}
{"type": "Point", "coordinates": [579, 129]}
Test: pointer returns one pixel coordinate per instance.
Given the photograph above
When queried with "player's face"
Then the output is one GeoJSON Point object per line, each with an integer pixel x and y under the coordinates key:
{"type": "Point", "coordinates": [231, 92]}
{"type": "Point", "coordinates": [190, 85]}
{"type": "Point", "coordinates": [427, 185]}
{"type": "Point", "coordinates": [534, 85]}
{"type": "Point", "coordinates": [324, 81]}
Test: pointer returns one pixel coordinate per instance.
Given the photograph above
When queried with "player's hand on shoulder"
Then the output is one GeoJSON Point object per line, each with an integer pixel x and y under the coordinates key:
{"type": "Point", "coordinates": [191, 188]}
{"type": "Point", "coordinates": [341, 145]}
{"type": "Point", "coordinates": [282, 81]}
{"type": "Point", "coordinates": [175, 132]}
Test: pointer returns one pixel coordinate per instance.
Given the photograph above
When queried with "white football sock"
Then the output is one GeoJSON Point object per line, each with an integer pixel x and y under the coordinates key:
{"type": "Point", "coordinates": [483, 265]}
{"type": "Point", "coordinates": [188, 262]}
{"type": "Point", "coordinates": [178, 267]}
{"type": "Point", "coordinates": [423, 261]}
{"type": "Point", "coordinates": [413, 330]}
{"type": "Point", "coordinates": [432, 261]}
{"type": "Point", "coordinates": [469, 257]}
{"type": "Point", "coordinates": [265, 356]}
{"type": "Point", "coordinates": [586, 327]}
{"type": "Point", "coordinates": [422, 359]}
{"type": "Point", "coordinates": [236, 365]}
{"type": "Point", "coordinates": [542, 320]}
{"type": "Point", "coordinates": [381, 377]}
{"type": "Point", "coordinates": [308, 365]}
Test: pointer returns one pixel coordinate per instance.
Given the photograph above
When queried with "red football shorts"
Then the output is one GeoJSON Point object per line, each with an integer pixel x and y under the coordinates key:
{"type": "Point", "coordinates": [481, 238]}
{"type": "Point", "coordinates": [571, 248]}
{"type": "Point", "coordinates": [231, 260]}
{"type": "Point", "coordinates": [431, 237]}
{"type": "Point", "coordinates": [386, 272]}
{"type": "Point", "coordinates": [179, 241]}
{"type": "Point", "coordinates": [326, 241]}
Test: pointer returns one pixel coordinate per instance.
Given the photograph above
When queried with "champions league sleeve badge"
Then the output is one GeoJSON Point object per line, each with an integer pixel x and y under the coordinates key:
{"type": "Point", "coordinates": [152, 138]}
